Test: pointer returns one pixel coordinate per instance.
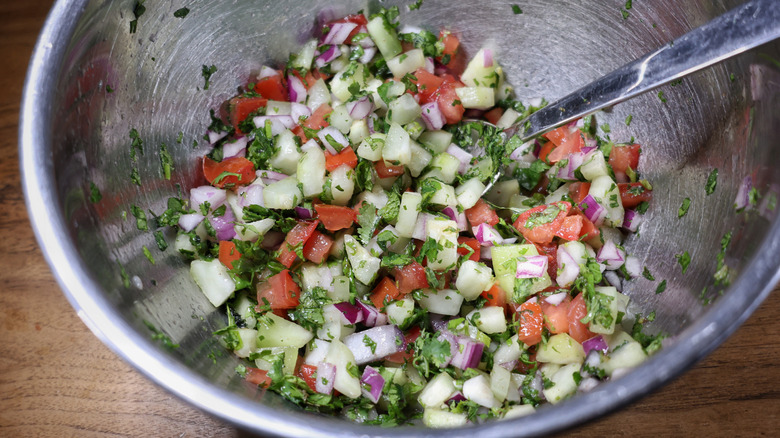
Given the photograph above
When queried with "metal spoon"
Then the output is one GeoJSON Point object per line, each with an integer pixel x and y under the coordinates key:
{"type": "Point", "coordinates": [749, 25]}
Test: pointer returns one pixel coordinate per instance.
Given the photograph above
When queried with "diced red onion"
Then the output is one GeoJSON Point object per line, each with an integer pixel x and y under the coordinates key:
{"type": "Point", "coordinates": [487, 235]}
{"type": "Point", "coordinates": [613, 279]}
{"type": "Point", "coordinates": [361, 108]}
{"type": "Point", "coordinates": [468, 355]}
{"type": "Point", "coordinates": [457, 397]}
{"type": "Point", "coordinates": [303, 212]}
{"type": "Point", "coordinates": [351, 313]}
{"type": "Point", "coordinates": [266, 72]}
{"type": "Point", "coordinates": [336, 135]}
{"type": "Point", "coordinates": [368, 54]}
{"type": "Point", "coordinates": [200, 195]}
{"type": "Point", "coordinates": [509, 365]}
{"type": "Point", "coordinates": [295, 89]}
{"type": "Point", "coordinates": [366, 42]}
{"type": "Point", "coordinates": [595, 343]}
{"type": "Point", "coordinates": [188, 222]}
{"type": "Point", "coordinates": [370, 122]}
{"type": "Point", "coordinates": [588, 384]}
{"type": "Point", "coordinates": [235, 148]}
{"type": "Point", "coordinates": [509, 240]}
{"type": "Point", "coordinates": [486, 253]}
{"type": "Point", "coordinates": [432, 116]}
{"type": "Point", "coordinates": [532, 267]}
{"type": "Point", "coordinates": [339, 32]}
{"type": "Point", "coordinates": [420, 231]}
{"type": "Point", "coordinates": [278, 123]}
{"type": "Point", "coordinates": [567, 172]}
{"type": "Point", "coordinates": [568, 269]}
{"type": "Point", "coordinates": [250, 195]}
{"type": "Point", "coordinates": [590, 144]}
{"type": "Point", "coordinates": [556, 299]}
{"type": "Point", "coordinates": [372, 317]}
{"type": "Point", "coordinates": [458, 217]}
{"type": "Point", "coordinates": [386, 340]}
{"type": "Point", "coordinates": [524, 152]}
{"type": "Point", "coordinates": [298, 110]}
{"type": "Point", "coordinates": [593, 210]}
{"type": "Point", "coordinates": [487, 59]}
{"type": "Point", "coordinates": [743, 195]}
{"type": "Point", "coordinates": [327, 56]}
{"type": "Point", "coordinates": [462, 156]}
{"type": "Point", "coordinates": [429, 65]}
{"type": "Point", "coordinates": [633, 266]}
{"type": "Point", "coordinates": [216, 136]}
{"type": "Point", "coordinates": [224, 225]}
{"type": "Point", "coordinates": [611, 255]}
{"type": "Point", "coordinates": [446, 335]}
{"type": "Point", "coordinates": [326, 375]}
{"type": "Point", "coordinates": [631, 220]}
{"type": "Point", "coordinates": [269, 176]}
{"type": "Point", "coordinates": [372, 384]}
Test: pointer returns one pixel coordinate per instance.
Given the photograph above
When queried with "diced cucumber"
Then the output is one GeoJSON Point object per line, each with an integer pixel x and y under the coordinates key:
{"type": "Point", "coordinates": [311, 169]}
{"type": "Point", "coordinates": [473, 278]}
{"type": "Point", "coordinates": [358, 131]}
{"type": "Point", "coordinates": [518, 411]}
{"type": "Point", "coordinates": [248, 342]}
{"type": "Point", "coordinates": [561, 349]}
{"type": "Point", "coordinates": [477, 389]}
{"type": "Point", "coordinates": [564, 384]}
{"type": "Point", "coordinates": [377, 197]}
{"type": "Point", "coordinates": [629, 355]}
{"type": "Point", "coordinates": [245, 309]}
{"type": "Point", "coordinates": [345, 382]}
{"type": "Point", "coordinates": [283, 195]}
{"type": "Point", "coordinates": [444, 167]}
{"type": "Point", "coordinates": [341, 81]}
{"type": "Point", "coordinates": [505, 257]}
{"type": "Point", "coordinates": [441, 419]}
{"type": "Point", "coordinates": [530, 286]}
{"type": "Point", "coordinates": [213, 279]}
{"type": "Point", "coordinates": [273, 331]}
{"type": "Point", "coordinates": [340, 290]}
{"type": "Point", "coordinates": [315, 276]}
{"type": "Point", "coordinates": [437, 391]}
{"type": "Point", "coordinates": [469, 193]}
{"type": "Point", "coordinates": [489, 319]}
{"type": "Point", "coordinates": [508, 119]}
{"type": "Point", "coordinates": [403, 110]}
{"type": "Point", "coordinates": [339, 118]}
{"type": "Point", "coordinates": [275, 107]}
{"type": "Point", "coordinates": [184, 245]}
{"type": "Point", "coordinates": [364, 265]}
{"type": "Point", "coordinates": [443, 302]}
{"type": "Point", "coordinates": [319, 93]}
{"type": "Point", "coordinates": [342, 184]}
{"type": "Point", "coordinates": [436, 141]}
{"type": "Point", "coordinates": [371, 147]}
{"type": "Point", "coordinates": [335, 326]}
{"type": "Point", "coordinates": [397, 148]}
{"type": "Point", "coordinates": [302, 60]}
{"type": "Point", "coordinates": [407, 213]}
{"type": "Point", "coordinates": [445, 233]}
{"type": "Point", "coordinates": [558, 194]}
{"type": "Point", "coordinates": [406, 62]}
{"type": "Point", "coordinates": [444, 196]}
{"type": "Point", "coordinates": [606, 193]}
{"type": "Point", "coordinates": [400, 310]}
{"type": "Point", "coordinates": [269, 355]}
{"type": "Point", "coordinates": [502, 192]}
{"type": "Point", "coordinates": [476, 97]}
{"type": "Point", "coordinates": [477, 74]}
{"type": "Point", "coordinates": [287, 154]}
{"type": "Point", "coordinates": [517, 202]}
{"type": "Point", "coordinates": [595, 326]}
{"type": "Point", "coordinates": [508, 351]}
{"type": "Point", "coordinates": [500, 380]}
{"type": "Point", "coordinates": [420, 159]}
{"type": "Point", "coordinates": [385, 37]}
{"type": "Point", "coordinates": [593, 165]}
{"type": "Point", "coordinates": [316, 352]}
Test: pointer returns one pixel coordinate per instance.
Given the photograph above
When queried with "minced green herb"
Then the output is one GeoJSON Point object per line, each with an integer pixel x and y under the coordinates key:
{"type": "Point", "coordinates": [684, 260]}
{"type": "Point", "coordinates": [94, 193]}
{"type": "Point", "coordinates": [661, 287]}
{"type": "Point", "coordinates": [206, 72]}
{"type": "Point", "coordinates": [181, 13]}
{"type": "Point", "coordinates": [712, 182]}
{"type": "Point", "coordinates": [683, 210]}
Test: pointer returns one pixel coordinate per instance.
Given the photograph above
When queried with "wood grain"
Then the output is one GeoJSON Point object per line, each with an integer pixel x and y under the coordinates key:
{"type": "Point", "coordinates": [57, 379]}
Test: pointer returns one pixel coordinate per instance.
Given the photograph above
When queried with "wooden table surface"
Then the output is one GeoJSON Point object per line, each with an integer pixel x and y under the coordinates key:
{"type": "Point", "coordinates": [57, 379]}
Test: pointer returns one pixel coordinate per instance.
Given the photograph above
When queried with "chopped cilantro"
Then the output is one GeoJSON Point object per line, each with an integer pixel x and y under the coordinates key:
{"type": "Point", "coordinates": [137, 145]}
{"type": "Point", "coordinates": [683, 210]}
{"type": "Point", "coordinates": [516, 10]}
{"type": "Point", "coordinates": [166, 161]}
{"type": "Point", "coordinates": [646, 273]}
{"type": "Point", "coordinates": [628, 120]}
{"type": "Point", "coordinates": [138, 10]}
{"type": "Point", "coordinates": [661, 287]}
{"type": "Point", "coordinates": [661, 96]}
{"type": "Point", "coordinates": [684, 260]}
{"type": "Point", "coordinates": [159, 239]}
{"type": "Point", "coordinates": [181, 13]}
{"type": "Point", "coordinates": [206, 72]}
{"type": "Point", "coordinates": [140, 218]}
{"type": "Point", "coordinates": [94, 193]}
{"type": "Point", "coordinates": [157, 335]}
{"type": "Point", "coordinates": [416, 5]}
{"type": "Point", "coordinates": [148, 254]}
{"type": "Point", "coordinates": [368, 220]}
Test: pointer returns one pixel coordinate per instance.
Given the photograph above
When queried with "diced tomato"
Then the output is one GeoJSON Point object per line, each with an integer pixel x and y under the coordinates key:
{"type": "Point", "coordinates": [411, 277]}
{"type": "Point", "coordinates": [272, 88]}
{"type": "Point", "coordinates": [317, 121]}
{"type": "Point", "coordinates": [571, 228]}
{"type": "Point", "coordinates": [346, 156]}
{"type": "Point", "coordinates": [633, 194]}
{"type": "Point", "coordinates": [589, 229]}
{"type": "Point", "coordinates": [229, 172]}
{"type": "Point", "coordinates": [544, 152]}
{"type": "Point", "coordinates": [309, 375]}
{"type": "Point", "coordinates": [300, 233]}
{"type": "Point", "coordinates": [309, 79]}
{"type": "Point", "coordinates": [538, 224]}
{"type": "Point", "coordinates": [577, 329]}
{"type": "Point", "coordinates": [551, 251]}
{"type": "Point", "coordinates": [317, 247]}
{"type": "Point", "coordinates": [280, 291]}
{"type": "Point", "coordinates": [241, 107]}
{"type": "Point", "coordinates": [383, 170]}
{"type": "Point", "coordinates": [531, 319]}
{"type": "Point", "coordinates": [494, 115]}
{"type": "Point", "coordinates": [427, 85]}
{"type": "Point", "coordinates": [622, 158]}
{"type": "Point", "coordinates": [407, 354]}
{"type": "Point", "coordinates": [451, 45]}
{"type": "Point", "coordinates": [448, 101]}
{"type": "Point", "coordinates": [384, 292]}
{"type": "Point", "coordinates": [358, 19]}
{"type": "Point", "coordinates": [556, 318]}
{"type": "Point", "coordinates": [473, 244]}
{"type": "Point", "coordinates": [257, 376]}
{"type": "Point", "coordinates": [228, 253]}
{"type": "Point", "coordinates": [495, 296]}
{"type": "Point", "coordinates": [566, 142]}
{"type": "Point", "coordinates": [481, 213]}
{"type": "Point", "coordinates": [335, 217]}
{"type": "Point", "coordinates": [578, 191]}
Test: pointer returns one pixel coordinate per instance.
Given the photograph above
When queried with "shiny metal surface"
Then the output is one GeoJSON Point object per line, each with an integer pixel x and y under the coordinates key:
{"type": "Point", "coordinates": [743, 28]}
{"type": "Point", "coordinates": [73, 132]}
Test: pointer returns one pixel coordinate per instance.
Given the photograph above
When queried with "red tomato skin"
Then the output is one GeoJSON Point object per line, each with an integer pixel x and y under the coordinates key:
{"type": "Point", "coordinates": [427, 85]}
{"type": "Point", "coordinates": [578, 191]}
{"type": "Point", "coordinates": [531, 320]}
{"type": "Point", "coordinates": [228, 253]}
{"type": "Point", "coordinates": [280, 291]}
{"type": "Point", "coordinates": [542, 233]}
{"type": "Point", "coordinates": [383, 170]}
{"type": "Point", "coordinates": [495, 296]}
{"type": "Point", "coordinates": [272, 88]}
{"type": "Point", "coordinates": [346, 156]}
{"type": "Point", "coordinates": [631, 200]}
{"type": "Point", "coordinates": [384, 293]}
{"type": "Point", "coordinates": [578, 310]}
{"type": "Point", "coordinates": [299, 234]}
{"type": "Point", "coordinates": [309, 375]}
{"type": "Point", "coordinates": [448, 101]}
{"type": "Point", "coordinates": [551, 251]}
{"type": "Point", "coordinates": [556, 318]}
{"type": "Point", "coordinates": [257, 376]}
{"type": "Point", "coordinates": [411, 277]}
{"type": "Point", "coordinates": [623, 157]}
{"type": "Point", "coordinates": [481, 213]}
{"type": "Point", "coordinates": [566, 142]}
{"type": "Point", "coordinates": [238, 165]}
{"type": "Point", "coordinates": [242, 107]}
{"type": "Point", "coordinates": [317, 247]}
{"type": "Point", "coordinates": [473, 244]}
{"type": "Point", "coordinates": [335, 217]}
{"type": "Point", "coordinates": [571, 228]}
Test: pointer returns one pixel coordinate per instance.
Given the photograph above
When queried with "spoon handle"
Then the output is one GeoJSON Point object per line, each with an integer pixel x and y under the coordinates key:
{"type": "Point", "coordinates": [749, 25]}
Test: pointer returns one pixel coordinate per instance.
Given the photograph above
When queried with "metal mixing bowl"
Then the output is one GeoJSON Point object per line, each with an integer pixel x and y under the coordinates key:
{"type": "Point", "coordinates": [74, 132]}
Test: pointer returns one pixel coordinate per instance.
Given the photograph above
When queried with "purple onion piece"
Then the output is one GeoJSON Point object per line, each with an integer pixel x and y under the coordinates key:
{"type": "Point", "coordinates": [216, 136]}
{"type": "Point", "coordinates": [250, 195]}
{"type": "Point", "coordinates": [368, 54]}
{"type": "Point", "coordinates": [339, 32]}
{"type": "Point", "coordinates": [188, 222]}
{"type": "Point", "coordinates": [329, 55]}
{"type": "Point", "coordinates": [432, 116]}
{"type": "Point", "coordinates": [372, 384]}
{"type": "Point", "coordinates": [224, 225]}
{"type": "Point", "coordinates": [266, 72]}
{"type": "Point", "coordinates": [278, 122]}
{"type": "Point", "coordinates": [487, 235]}
{"type": "Point", "coordinates": [235, 148]}
{"type": "Point", "coordinates": [631, 220]}
{"type": "Point", "coordinates": [336, 135]}
{"type": "Point", "coordinates": [370, 315]}
{"type": "Point", "coordinates": [595, 343]}
{"type": "Point", "coordinates": [429, 65]}
{"type": "Point", "coordinates": [532, 267]}
{"type": "Point", "coordinates": [295, 89]}
{"type": "Point", "coordinates": [743, 194]}
{"type": "Point", "coordinates": [200, 195]}
{"type": "Point", "coordinates": [298, 110]}
{"type": "Point", "coordinates": [487, 58]}
{"type": "Point", "coordinates": [556, 299]}
{"type": "Point", "coordinates": [446, 335]}
{"type": "Point", "coordinates": [303, 212]}
{"type": "Point", "coordinates": [351, 313]}
{"type": "Point", "coordinates": [272, 240]}
{"type": "Point", "coordinates": [509, 365]}
{"type": "Point", "coordinates": [462, 156]}
{"type": "Point", "coordinates": [593, 210]}
{"type": "Point", "coordinates": [326, 375]}
{"type": "Point", "coordinates": [611, 255]}
{"type": "Point", "coordinates": [457, 397]}
{"type": "Point", "coordinates": [361, 108]}
{"type": "Point", "coordinates": [468, 355]}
